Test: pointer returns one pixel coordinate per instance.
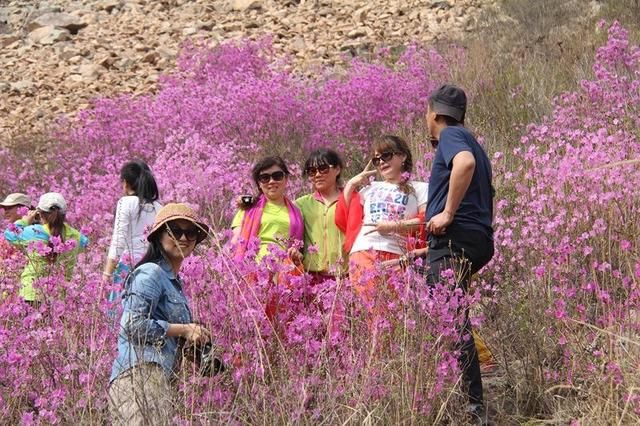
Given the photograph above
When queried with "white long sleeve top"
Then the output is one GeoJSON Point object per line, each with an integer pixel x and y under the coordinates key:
{"type": "Point", "coordinates": [130, 227]}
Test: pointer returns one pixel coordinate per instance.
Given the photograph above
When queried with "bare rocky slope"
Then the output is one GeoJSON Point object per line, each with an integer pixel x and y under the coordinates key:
{"type": "Point", "coordinates": [58, 55]}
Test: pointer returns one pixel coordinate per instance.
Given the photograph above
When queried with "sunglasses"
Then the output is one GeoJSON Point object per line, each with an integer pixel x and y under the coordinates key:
{"type": "Point", "coordinates": [434, 142]}
{"type": "Point", "coordinates": [385, 156]}
{"type": "Point", "coordinates": [191, 234]}
{"type": "Point", "coordinates": [266, 177]}
{"type": "Point", "coordinates": [323, 169]}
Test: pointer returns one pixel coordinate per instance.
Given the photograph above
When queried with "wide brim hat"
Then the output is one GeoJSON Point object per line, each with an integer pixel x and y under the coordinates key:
{"type": "Point", "coordinates": [175, 211]}
{"type": "Point", "coordinates": [16, 199]}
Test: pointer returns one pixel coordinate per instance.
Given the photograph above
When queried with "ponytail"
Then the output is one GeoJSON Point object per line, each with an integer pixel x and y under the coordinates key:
{"type": "Point", "coordinates": [55, 219]}
{"type": "Point", "coordinates": [138, 176]}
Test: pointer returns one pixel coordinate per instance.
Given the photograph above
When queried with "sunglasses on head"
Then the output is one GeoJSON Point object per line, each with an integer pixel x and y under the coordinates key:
{"type": "Point", "coordinates": [385, 156]}
{"type": "Point", "coordinates": [266, 177]}
{"type": "Point", "coordinates": [191, 234]}
{"type": "Point", "coordinates": [323, 169]}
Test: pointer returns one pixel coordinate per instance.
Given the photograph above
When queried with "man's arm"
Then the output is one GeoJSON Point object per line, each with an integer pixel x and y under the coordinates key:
{"type": "Point", "coordinates": [463, 166]}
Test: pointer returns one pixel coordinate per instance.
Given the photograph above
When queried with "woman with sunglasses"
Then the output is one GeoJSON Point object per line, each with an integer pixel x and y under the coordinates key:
{"type": "Point", "coordinates": [51, 213]}
{"type": "Point", "coordinates": [271, 216]}
{"type": "Point", "coordinates": [323, 168]}
{"type": "Point", "coordinates": [156, 322]}
{"type": "Point", "coordinates": [135, 213]}
{"type": "Point", "coordinates": [388, 212]}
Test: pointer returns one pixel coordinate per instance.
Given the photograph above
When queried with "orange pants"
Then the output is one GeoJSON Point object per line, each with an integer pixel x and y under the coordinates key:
{"type": "Point", "coordinates": [362, 262]}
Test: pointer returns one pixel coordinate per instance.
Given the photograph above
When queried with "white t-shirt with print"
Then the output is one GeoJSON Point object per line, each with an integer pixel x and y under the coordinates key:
{"type": "Point", "coordinates": [385, 201]}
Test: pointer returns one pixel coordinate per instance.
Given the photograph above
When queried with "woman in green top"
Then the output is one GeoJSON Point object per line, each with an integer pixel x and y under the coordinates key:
{"type": "Point", "coordinates": [270, 217]}
{"type": "Point", "coordinates": [52, 209]}
{"type": "Point", "coordinates": [325, 260]}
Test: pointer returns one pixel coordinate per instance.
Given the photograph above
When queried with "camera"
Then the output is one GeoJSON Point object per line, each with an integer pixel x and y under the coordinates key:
{"type": "Point", "coordinates": [247, 199]}
{"type": "Point", "coordinates": [209, 364]}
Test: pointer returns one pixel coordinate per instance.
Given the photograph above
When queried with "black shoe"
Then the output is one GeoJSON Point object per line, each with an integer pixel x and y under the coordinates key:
{"type": "Point", "coordinates": [477, 414]}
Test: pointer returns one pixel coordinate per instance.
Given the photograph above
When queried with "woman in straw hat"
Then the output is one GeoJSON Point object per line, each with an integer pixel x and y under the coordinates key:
{"type": "Point", "coordinates": [156, 321]}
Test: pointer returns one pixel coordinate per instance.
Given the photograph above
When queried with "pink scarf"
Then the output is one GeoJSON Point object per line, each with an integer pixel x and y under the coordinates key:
{"type": "Point", "coordinates": [253, 218]}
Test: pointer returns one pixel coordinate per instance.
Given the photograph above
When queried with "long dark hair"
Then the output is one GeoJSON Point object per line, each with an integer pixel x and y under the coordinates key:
{"type": "Point", "coordinates": [398, 146]}
{"type": "Point", "coordinates": [138, 176]}
{"type": "Point", "coordinates": [155, 253]}
{"type": "Point", "coordinates": [324, 156]}
{"type": "Point", "coordinates": [55, 219]}
{"type": "Point", "coordinates": [257, 169]}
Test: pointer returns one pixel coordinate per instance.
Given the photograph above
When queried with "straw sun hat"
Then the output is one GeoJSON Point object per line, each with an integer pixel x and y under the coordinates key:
{"type": "Point", "coordinates": [174, 211]}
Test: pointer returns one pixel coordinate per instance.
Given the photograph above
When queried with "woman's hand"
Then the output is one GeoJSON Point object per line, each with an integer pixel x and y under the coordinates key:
{"type": "Point", "coordinates": [384, 227]}
{"type": "Point", "coordinates": [196, 333]}
{"type": "Point", "coordinates": [362, 178]}
{"type": "Point", "coordinates": [31, 216]}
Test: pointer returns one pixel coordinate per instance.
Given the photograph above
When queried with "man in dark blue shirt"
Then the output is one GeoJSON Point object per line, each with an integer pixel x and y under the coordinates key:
{"type": "Point", "coordinates": [460, 214]}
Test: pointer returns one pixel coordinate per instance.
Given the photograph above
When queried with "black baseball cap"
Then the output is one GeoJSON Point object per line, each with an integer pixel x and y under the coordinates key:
{"type": "Point", "coordinates": [450, 101]}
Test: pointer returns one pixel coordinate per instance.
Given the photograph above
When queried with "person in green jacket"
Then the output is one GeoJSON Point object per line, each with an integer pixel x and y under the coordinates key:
{"type": "Point", "coordinates": [326, 260]}
{"type": "Point", "coordinates": [51, 210]}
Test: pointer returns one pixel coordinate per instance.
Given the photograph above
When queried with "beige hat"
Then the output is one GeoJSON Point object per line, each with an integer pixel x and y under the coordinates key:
{"type": "Point", "coordinates": [51, 200]}
{"type": "Point", "coordinates": [174, 211]}
{"type": "Point", "coordinates": [16, 199]}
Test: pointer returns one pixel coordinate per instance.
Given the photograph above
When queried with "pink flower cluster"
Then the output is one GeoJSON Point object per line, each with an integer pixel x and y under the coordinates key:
{"type": "Point", "coordinates": [567, 233]}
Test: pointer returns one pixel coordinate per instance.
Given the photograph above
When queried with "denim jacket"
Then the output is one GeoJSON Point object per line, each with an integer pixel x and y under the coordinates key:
{"type": "Point", "coordinates": [152, 300]}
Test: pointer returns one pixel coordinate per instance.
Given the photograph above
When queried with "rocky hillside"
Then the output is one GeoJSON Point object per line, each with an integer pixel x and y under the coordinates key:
{"type": "Point", "coordinates": [58, 55]}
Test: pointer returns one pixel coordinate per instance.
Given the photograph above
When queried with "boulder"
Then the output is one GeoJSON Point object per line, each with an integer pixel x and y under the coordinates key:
{"type": "Point", "coordinates": [49, 35]}
{"type": "Point", "coordinates": [60, 20]}
{"type": "Point", "coordinates": [6, 40]}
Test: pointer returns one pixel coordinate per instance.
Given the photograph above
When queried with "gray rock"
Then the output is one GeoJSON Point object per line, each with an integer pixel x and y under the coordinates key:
{"type": "Point", "coordinates": [6, 40]}
{"type": "Point", "coordinates": [242, 5]}
{"type": "Point", "coordinates": [189, 31]}
{"type": "Point", "coordinates": [357, 33]}
{"type": "Point", "coordinates": [109, 5]}
{"type": "Point", "coordinates": [440, 4]}
{"type": "Point", "coordinates": [298, 44]}
{"type": "Point", "coordinates": [49, 35]}
{"type": "Point", "coordinates": [61, 20]}
{"type": "Point", "coordinates": [89, 71]}
{"type": "Point", "coordinates": [22, 86]}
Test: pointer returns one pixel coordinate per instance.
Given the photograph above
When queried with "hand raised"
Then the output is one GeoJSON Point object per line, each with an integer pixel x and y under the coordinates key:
{"type": "Point", "coordinates": [362, 178]}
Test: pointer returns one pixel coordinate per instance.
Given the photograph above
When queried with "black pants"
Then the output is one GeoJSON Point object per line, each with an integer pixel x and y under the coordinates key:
{"type": "Point", "coordinates": [465, 252]}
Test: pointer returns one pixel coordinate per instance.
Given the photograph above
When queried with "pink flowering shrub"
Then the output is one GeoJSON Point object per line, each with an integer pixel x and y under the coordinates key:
{"type": "Point", "coordinates": [315, 358]}
{"type": "Point", "coordinates": [564, 308]}
{"type": "Point", "coordinates": [565, 274]}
